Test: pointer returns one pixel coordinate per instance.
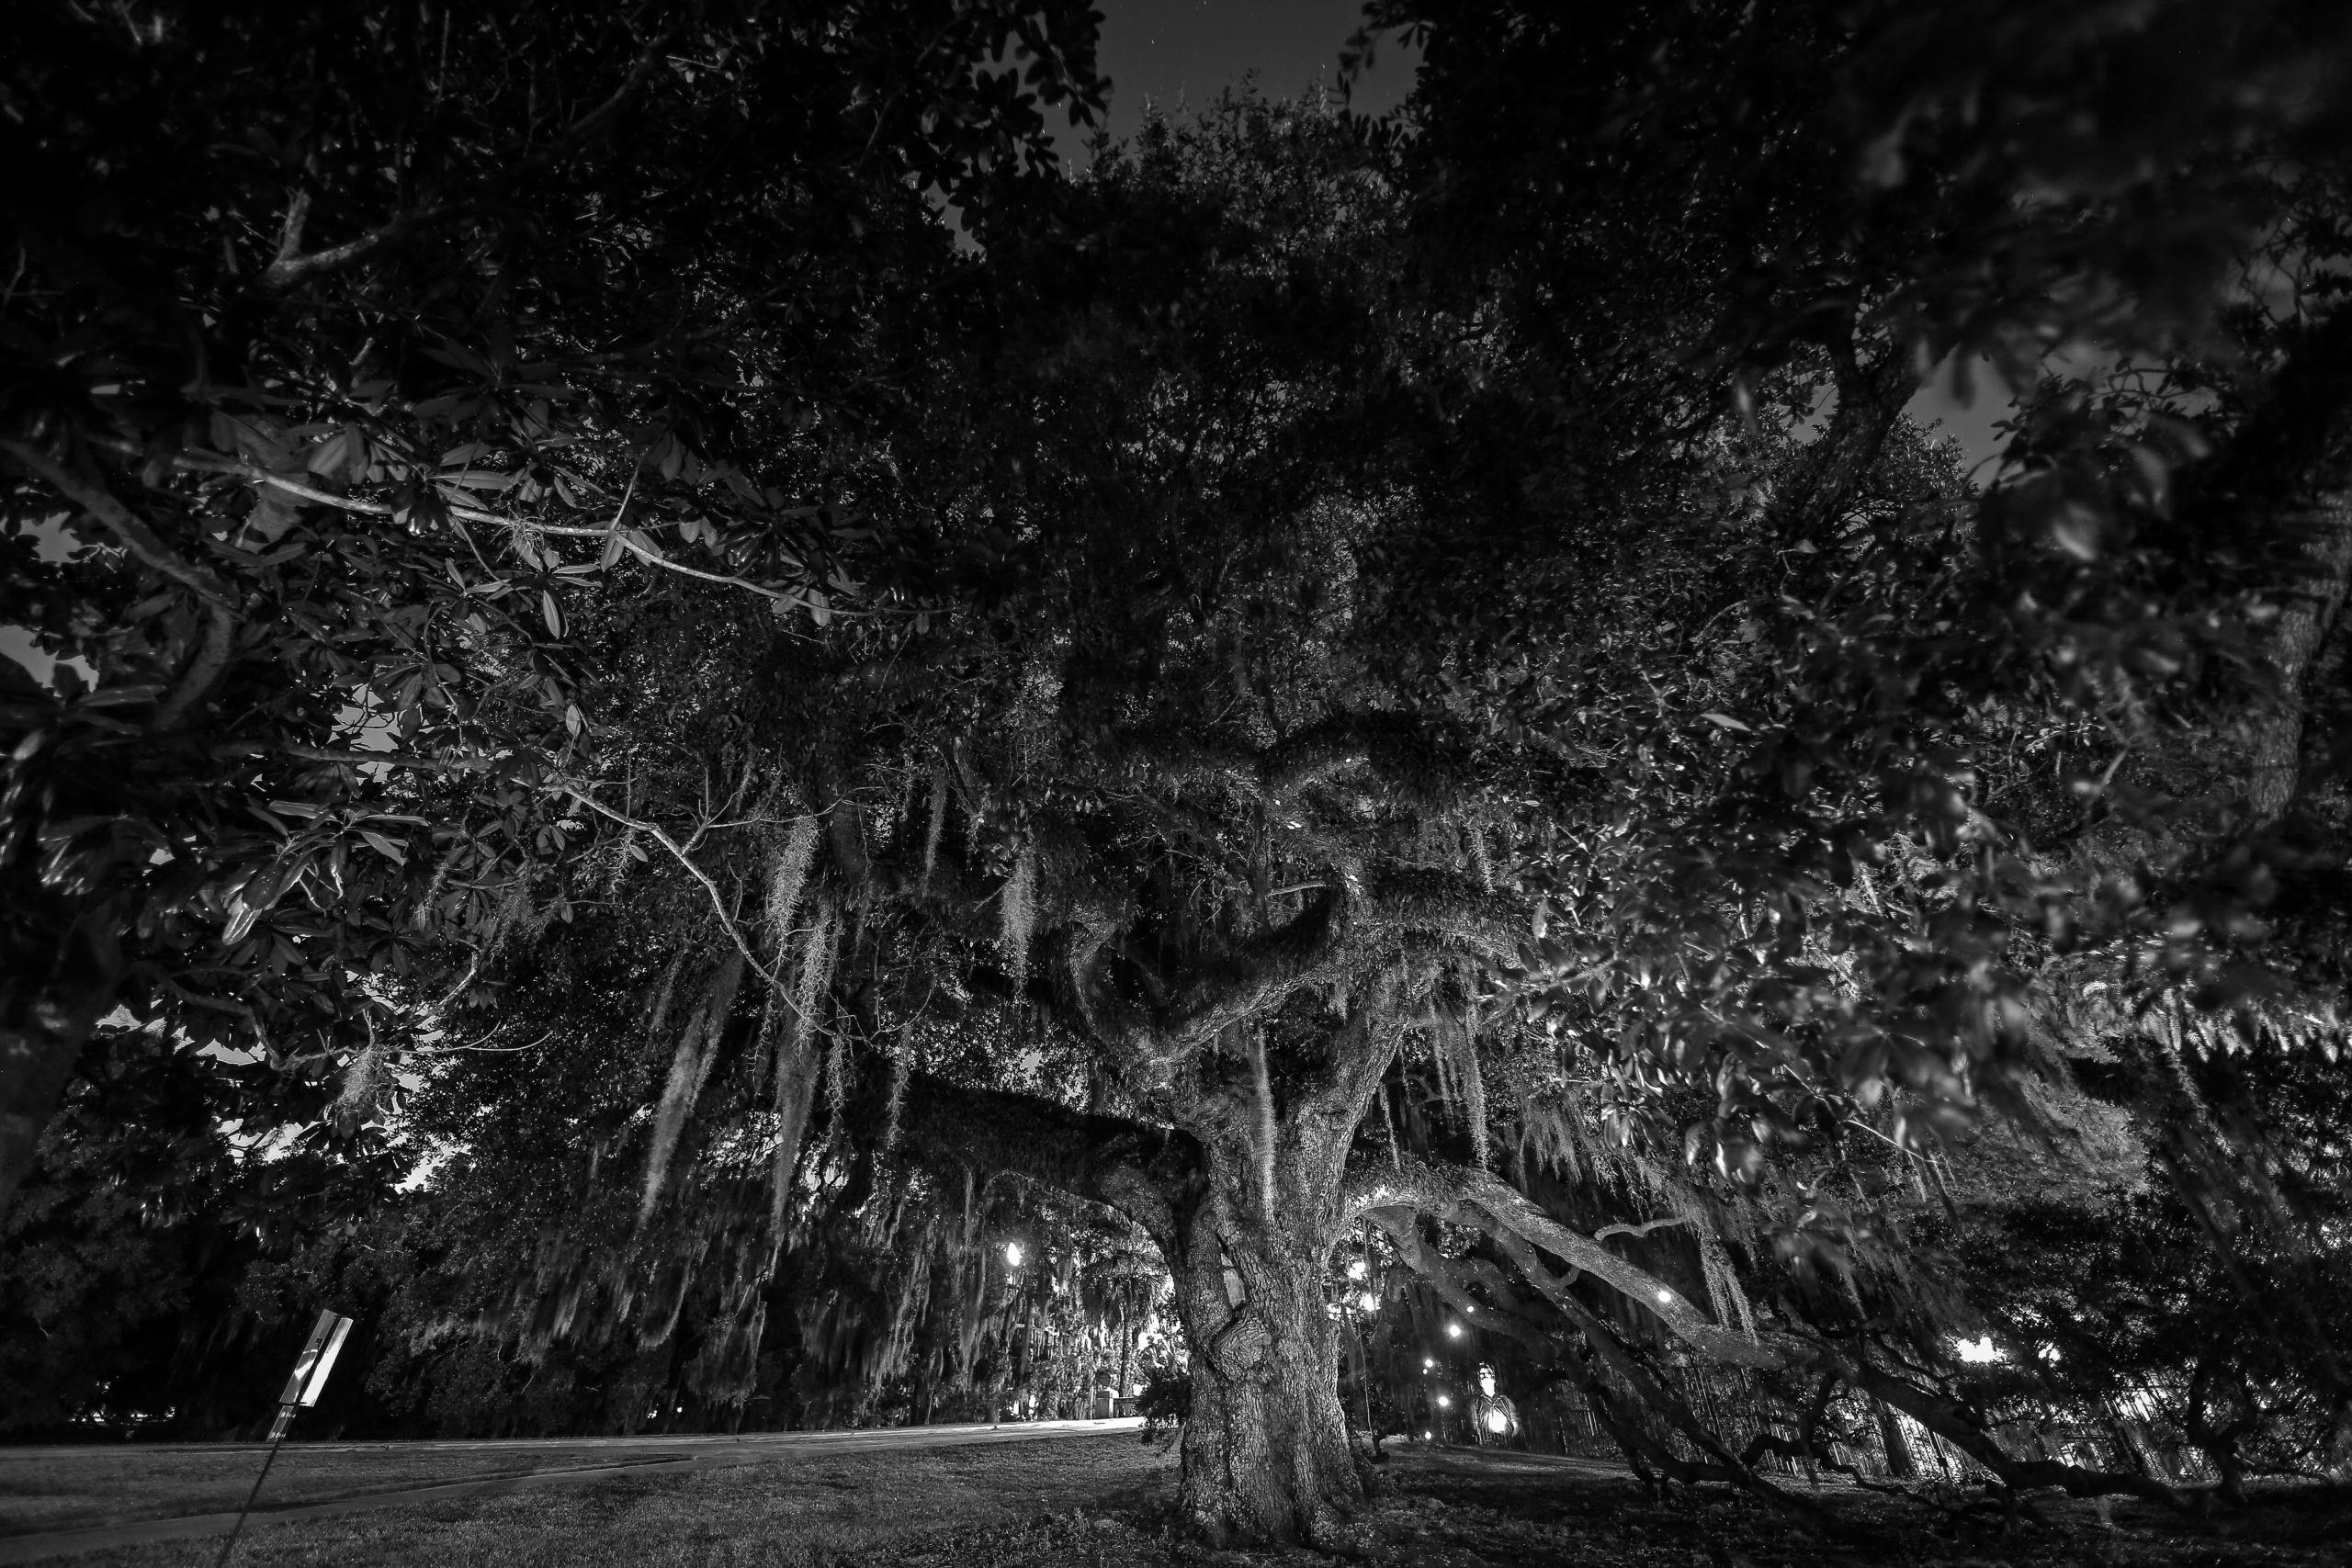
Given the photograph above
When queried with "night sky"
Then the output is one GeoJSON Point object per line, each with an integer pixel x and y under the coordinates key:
{"type": "Point", "coordinates": [1164, 52]}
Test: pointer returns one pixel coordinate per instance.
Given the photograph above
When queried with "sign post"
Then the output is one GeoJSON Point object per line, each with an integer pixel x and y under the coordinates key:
{"type": "Point", "coordinates": [302, 1389]}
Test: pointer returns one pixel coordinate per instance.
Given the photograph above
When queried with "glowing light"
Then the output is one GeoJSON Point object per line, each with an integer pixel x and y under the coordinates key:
{"type": "Point", "coordinates": [1355, 1270]}
{"type": "Point", "coordinates": [1979, 1350]}
{"type": "Point", "coordinates": [1445, 1402]}
{"type": "Point", "coordinates": [1427, 1363]}
{"type": "Point", "coordinates": [1495, 1421]}
{"type": "Point", "coordinates": [1425, 1437]}
{"type": "Point", "coordinates": [1454, 1331]}
{"type": "Point", "coordinates": [1368, 1300]}
{"type": "Point", "coordinates": [1472, 1307]}
{"type": "Point", "coordinates": [1013, 1254]}
{"type": "Point", "coordinates": [1666, 1295]}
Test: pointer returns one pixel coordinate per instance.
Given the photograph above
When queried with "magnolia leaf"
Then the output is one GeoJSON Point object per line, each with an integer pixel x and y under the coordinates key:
{"type": "Point", "coordinates": [385, 847]}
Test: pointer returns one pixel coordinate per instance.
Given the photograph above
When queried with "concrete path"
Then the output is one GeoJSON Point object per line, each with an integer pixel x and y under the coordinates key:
{"type": "Point", "coordinates": [630, 1456]}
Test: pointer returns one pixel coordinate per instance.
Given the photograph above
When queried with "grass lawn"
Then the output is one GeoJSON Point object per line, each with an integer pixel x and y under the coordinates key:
{"type": "Point", "coordinates": [1103, 1503]}
{"type": "Point", "coordinates": [61, 1489]}
{"type": "Point", "coordinates": [796, 1508]}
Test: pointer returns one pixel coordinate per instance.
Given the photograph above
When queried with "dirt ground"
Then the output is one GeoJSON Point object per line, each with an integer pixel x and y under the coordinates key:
{"type": "Point", "coordinates": [1106, 1503]}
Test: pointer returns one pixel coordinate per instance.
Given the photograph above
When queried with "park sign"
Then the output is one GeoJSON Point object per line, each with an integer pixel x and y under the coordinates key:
{"type": "Point", "coordinates": [302, 1391]}
{"type": "Point", "coordinates": [310, 1370]}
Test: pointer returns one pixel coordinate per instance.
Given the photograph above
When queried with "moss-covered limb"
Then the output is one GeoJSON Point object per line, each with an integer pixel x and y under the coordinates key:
{"type": "Point", "coordinates": [1451, 1280]}
{"type": "Point", "coordinates": [1805, 1446]}
{"type": "Point", "coordinates": [1614, 1353]}
{"type": "Point", "coordinates": [1478, 1199]}
{"type": "Point", "coordinates": [1649, 1458]}
{"type": "Point", "coordinates": [1143, 1172]}
{"type": "Point", "coordinates": [1258, 974]}
{"type": "Point", "coordinates": [1484, 1200]}
{"type": "Point", "coordinates": [1505, 1310]}
{"type": "Point", "coordinates": [1945, 1418]}
{"type": "Point", "coordinates": [1459, 910]}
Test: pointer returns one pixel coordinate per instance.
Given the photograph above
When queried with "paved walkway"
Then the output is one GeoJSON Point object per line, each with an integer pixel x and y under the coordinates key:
{"type": "Point", "coordinates": [630, 1456]}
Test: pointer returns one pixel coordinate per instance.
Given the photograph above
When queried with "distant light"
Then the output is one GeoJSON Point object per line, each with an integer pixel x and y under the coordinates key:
{"type": "Point", "coordinates": [1454, 1331]}
{"type": "Point", "coordinates": [1427, 1363]}
{"type": "Point", "coordinates": [1666, 1295]}
{"type": "Point", "coordinates": [1445, 1402]}
{"type": "Point", "coordinates": [1979, 1350]}
{"type": "Point", "coordinates": [1425, 1437]}
{"type": "Point", "coordinates": [1013, 1254]}
{"type": "Point", "coordinates": [1495, 1421]}
{"type": "Point", "coordinates": [1472, 1307]}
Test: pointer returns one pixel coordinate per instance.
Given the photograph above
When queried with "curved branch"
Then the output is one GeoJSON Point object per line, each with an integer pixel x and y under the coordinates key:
{"type": "Point", "coordinates": [1449, 905]}
{"type": "Point", "coordinates": [1481, 1200]}
{"type": "Point", "coordinates": [717, 900]}
{"type": "Point", "coordinates": [1605, 1232]}
{"type": "Point", "coordinates": [144, 544]}
{"type": "Point", "coordinates": [1144, 1172]}
{"type": "Point", "coordinates": [1477, 1198]}
{"type": "Point", "coordinates": [1279, 962]}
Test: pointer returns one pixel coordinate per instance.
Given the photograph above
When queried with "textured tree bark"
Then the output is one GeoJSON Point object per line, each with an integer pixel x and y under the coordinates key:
{"type": "Point", "coordinates": [1871, 398]}
{"type": "Point", "coordinates": [1266, 1454]}
{"type": "Point", "coordinates": [2276, 776]}
{"type": "Point", "coordinates": [1899, 1464]}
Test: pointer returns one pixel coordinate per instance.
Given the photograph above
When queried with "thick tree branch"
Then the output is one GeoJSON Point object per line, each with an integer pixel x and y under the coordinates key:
{"type": "Point", "coordinates": [1477, 1198]}
{"type": "Point", "coordinates": [1258, 974]}
{"type": "Point", "coordinates": [624, 537]}
{"type": "Point", "coordinates": [1871, 398]}
{"type": "Point", "coordinates": [1144, 1172]}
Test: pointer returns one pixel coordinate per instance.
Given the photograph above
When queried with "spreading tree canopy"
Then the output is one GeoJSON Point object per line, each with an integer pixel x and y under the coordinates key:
{"type": "Point", "coordinates": [1321, 702]}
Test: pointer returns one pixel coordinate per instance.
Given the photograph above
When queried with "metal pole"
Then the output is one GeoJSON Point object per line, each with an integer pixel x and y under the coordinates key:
{"type": "Point", "coordinates": [276, 1439]}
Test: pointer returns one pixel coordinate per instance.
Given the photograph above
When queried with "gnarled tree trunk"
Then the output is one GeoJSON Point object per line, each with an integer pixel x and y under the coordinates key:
{"type": "Point", "coordinates": [1266, 1452]}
